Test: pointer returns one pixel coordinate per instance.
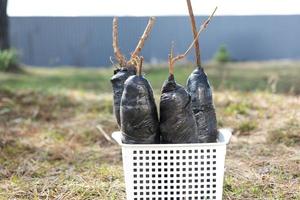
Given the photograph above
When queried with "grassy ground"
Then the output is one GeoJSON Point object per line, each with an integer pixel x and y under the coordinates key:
{"type": "Point", "coordinates": [50, 147]}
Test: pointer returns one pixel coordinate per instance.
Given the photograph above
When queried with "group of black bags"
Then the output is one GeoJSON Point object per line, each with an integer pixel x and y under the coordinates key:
{"type": "Point", "coordinates": [186, 116]}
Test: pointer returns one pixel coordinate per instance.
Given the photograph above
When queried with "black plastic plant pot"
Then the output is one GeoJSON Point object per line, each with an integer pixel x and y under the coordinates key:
{"type": "Point", "coordinates": [177, 122]}
{"type": "Point", "coordinates": [202, 103]}
{"type": "Point", "coordinates": [118, 80]}
{"type": "Point", "coordinates": [139, 118]}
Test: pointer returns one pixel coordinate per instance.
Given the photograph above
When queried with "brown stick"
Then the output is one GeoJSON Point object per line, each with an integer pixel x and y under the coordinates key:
{"type": "Point", "coordinates": [140, 64]}
{"type": "Point", "coordinates": [202, 28]}
{"type": "Point", "coordinates": [194, 29]}
{"type": "Point", "coordinates": [142, 40]}
{"type": "Point", "coordinates": [171, 66]}
{"type": "Point", "coordinates": [121, 59]}
{"type": "Point", "coordinates": [209, 19]}
{"type": "Point", "coordinates": [106, 136]}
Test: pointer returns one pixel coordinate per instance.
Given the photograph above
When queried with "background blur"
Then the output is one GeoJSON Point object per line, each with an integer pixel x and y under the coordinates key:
{"type": "Point", "coordinates": [56, 113]}
{"type": "Point", "coordinates": [87, 41]}
{"type": "Point", "coordinates": [79, 32]}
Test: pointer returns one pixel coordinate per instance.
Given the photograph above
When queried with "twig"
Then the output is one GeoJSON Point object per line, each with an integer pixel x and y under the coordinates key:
{"type": "Point", "coordinates": [210, 17]}
{"type": "Point", "coordinates": [138, 63]}
{"type": "Point", "coordinates": [116, 48]}
{"type": "Point", "coordinates": [142, 40]}
{"type": "Point", "coordinates": [121, 58]}
{"type": "Point", "coordinates": [112, 62]}
{"type": "Point", "coordinates": [202, 28]}
{"type": "Point", "coordinates": [172, 60]}
{"type": "Point", "coordinates": [194, 29]}
{"type": "Point", "coordinates": [139, 69]}
{"type": "Point", "coordinates": [171, 66]}
{"type": "Point", "coordinates": [106, 136]}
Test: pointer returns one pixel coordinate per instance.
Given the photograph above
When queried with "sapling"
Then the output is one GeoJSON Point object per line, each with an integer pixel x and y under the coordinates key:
{"type": "Point", "coordinates": [139, 118]}
{"type": "Point", "coordinates": [177, 120]}
{"type": "Point", "coordinates": [125, 68]}
{"type": "Point", "coordinates": [199, 88]}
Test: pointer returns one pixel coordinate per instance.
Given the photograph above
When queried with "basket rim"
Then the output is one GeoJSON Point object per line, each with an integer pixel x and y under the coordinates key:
{"type": "Point", "coordinates": [223, 139]}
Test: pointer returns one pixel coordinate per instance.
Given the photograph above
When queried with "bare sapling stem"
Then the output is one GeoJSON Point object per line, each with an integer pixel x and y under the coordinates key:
{"type": "Point", "coordinates": [194, 30]}
{"type": "Point", "coordinates": [171, 64]}
{"type": "Point", "coordinates": [140, 64]}
{"type": "Point", "coordinates": [142, 40]}
{"type": "Point", "coordinates": [121, 59]}
{"type": "Point", "coordinates": [205, 24]}
{"type": "Point", "coordinates": [202, 28]}
{"type": "Point", "coordinates": [134, 56]}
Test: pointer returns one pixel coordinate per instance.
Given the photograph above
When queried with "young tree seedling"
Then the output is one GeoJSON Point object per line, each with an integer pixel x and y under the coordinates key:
{"type": "Point", "coordinates": [125, 68]}
{"type": "Point", "coordinates": [199, 88]}
{"type": "Point", "coordinates": [177, 121]}
{"type": "Point", "coordinates": [139, 118]}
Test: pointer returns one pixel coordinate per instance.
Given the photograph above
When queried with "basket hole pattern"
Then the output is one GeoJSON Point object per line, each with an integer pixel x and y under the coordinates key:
{"type": "Point", "coordinates": [175, 174]}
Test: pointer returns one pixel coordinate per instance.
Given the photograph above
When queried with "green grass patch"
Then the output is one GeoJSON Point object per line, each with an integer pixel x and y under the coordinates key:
{"type": "Point", "coordinates": [233, 76]}
{"type": "Point", "coordinates": [247, 126]}
{"type": "Point", "coordinates": [238, 108]}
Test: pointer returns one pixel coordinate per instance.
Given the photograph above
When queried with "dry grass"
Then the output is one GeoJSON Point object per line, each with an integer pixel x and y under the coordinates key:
{"type": "Point", "coordinates": [289, 134]}
{"type": "Point", "coordinates": [265, 162]}
{"type": "Point", "coordinates": [50, 147]}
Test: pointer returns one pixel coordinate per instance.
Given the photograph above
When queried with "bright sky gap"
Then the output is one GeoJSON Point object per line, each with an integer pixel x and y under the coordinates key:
{"type": "Point", "coordinates": [149, 7]}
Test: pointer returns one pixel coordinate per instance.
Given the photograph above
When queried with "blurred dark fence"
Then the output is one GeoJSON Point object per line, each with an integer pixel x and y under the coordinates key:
{"type": "Point", "coordinates": [86, 41]}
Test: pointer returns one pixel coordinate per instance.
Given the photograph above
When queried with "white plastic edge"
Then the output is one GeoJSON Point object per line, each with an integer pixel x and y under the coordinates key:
{"type": "Point", "coordinates": [225, 135]}
{"type": "Point", "coordinates": [223, 138]}
{"type": "Point", "coordinates": [117, 136]}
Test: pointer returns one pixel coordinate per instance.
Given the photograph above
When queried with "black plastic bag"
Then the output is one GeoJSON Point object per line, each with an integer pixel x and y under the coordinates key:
{"type": "Point", "coordinates": [177, 122]}
{"type": "Point", "coordinates": [202, 103]}
{"type": "Point", "coordinates": [117, 80]}
{"type": "Point", "coordinates": [139, 118]}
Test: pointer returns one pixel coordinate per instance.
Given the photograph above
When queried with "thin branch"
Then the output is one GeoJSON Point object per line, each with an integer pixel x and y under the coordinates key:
{"type": "Point", "coordinates": [210, 17]}
{"type": "Point", "coordinates": [194, 29]}
{"type": "Point", "coordinates": [106, 136]}
{"type": "Point", "coordinates": [202, 28]}
{"type": "Point", "coordinates": [121, 59]}
{"type": "Point", "coordinates": [112, 62]}
{"type": "Point", "coordinates": [144, 37]}
{"type": "Point", "coordinates": [171, 66]}
{"type": "Point", "coordinates": [140, 64]}
{"type": "Point", "coordinates": [135, 62]}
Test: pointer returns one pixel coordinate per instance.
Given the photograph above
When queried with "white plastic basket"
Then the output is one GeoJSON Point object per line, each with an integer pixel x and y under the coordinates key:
{"type": "Point", "coordinates": [174, 171]}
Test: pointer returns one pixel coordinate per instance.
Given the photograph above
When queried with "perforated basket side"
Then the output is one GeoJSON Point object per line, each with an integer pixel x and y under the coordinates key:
{"type": "Point", "coordinates": [174, 172]}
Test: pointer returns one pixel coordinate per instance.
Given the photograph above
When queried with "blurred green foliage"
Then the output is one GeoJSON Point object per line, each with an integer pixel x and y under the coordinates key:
{"type": "Point", "coordinates": [9, 60]}
{"type": "Point", "coordinates": [222, 55]}
{"type": "Point", "coordinates": [247, 126]}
